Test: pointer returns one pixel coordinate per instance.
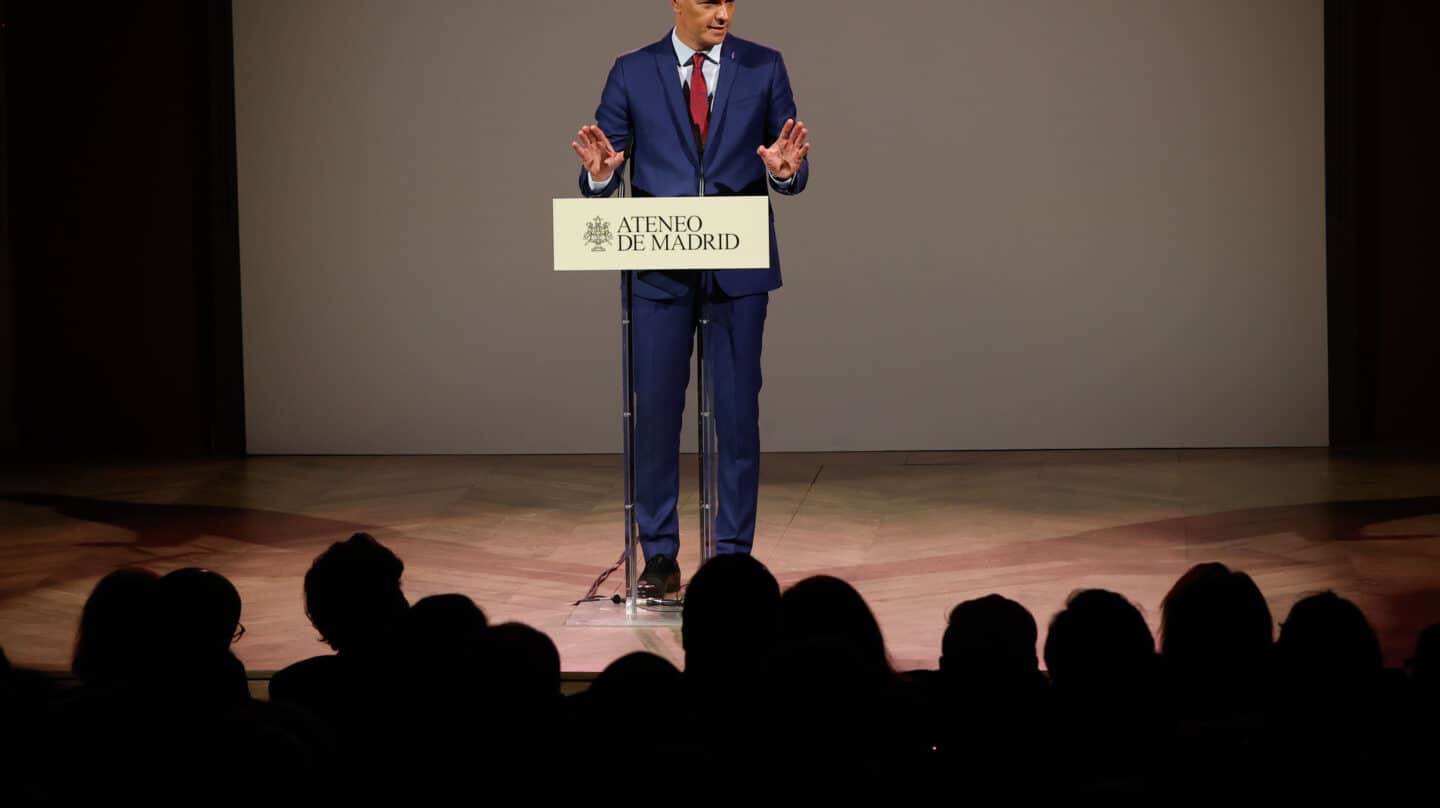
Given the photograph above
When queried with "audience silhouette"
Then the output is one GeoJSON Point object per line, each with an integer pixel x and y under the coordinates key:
{"type": "Point", "coordinates": [422, 702]}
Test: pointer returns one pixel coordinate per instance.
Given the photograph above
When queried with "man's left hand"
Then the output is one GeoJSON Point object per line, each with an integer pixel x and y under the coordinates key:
{"type": "Point", "coordinates": [782, 159]}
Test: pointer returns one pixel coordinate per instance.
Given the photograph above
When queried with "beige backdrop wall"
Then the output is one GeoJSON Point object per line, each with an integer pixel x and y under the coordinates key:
{"type": "Point", "coordinates": [1030, 224]}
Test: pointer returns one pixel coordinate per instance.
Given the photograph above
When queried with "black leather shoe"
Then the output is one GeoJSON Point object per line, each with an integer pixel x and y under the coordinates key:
{"type": "Point", "coordinates": [660, 578]}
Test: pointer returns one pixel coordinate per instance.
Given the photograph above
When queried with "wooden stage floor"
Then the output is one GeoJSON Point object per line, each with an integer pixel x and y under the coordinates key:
{"type": "Point", "coordinates": [915, 532]}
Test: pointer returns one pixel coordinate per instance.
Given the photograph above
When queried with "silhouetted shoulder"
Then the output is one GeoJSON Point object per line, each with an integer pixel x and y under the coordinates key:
{"type": "Point", "coordinates": [295, 681]}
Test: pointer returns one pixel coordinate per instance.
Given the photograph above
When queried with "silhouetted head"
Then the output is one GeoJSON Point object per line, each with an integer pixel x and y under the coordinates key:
{"type": "Point", "coordinates": [633, 680]}
{"type": "Point", "coordinates": [352, 593]}
{"type": "Point", "coordinates": [200, 612]}
{"type": "Point", "coordinates": [1215, 621]}
{"type": "Point", "coordinates": [1327, 644]}
{"type": "Point", "coordinates": [729, 618]}
{"type": "Point", "coordinates": [441, 635]}
{"type": "Point", "coordinates": [116, 637]}
{"type": "Point", "coordinates": [1099, 641]}
{"type": "Point", "coordinates": [440, 620]}
{"type": "Point", "coordinates": [523, 663]}
{"type": "Point", "coordinates": [439, 650]}
{"type": "Point", "coordinates": [198, 619]}
{"type": "Point", "coordinates": [825, 623]}
{"type": "Point", "coordinates": [989, 638]}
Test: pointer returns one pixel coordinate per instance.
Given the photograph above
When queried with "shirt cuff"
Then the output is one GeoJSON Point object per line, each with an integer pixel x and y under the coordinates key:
{"type": "Point", "coordinates": [597, 186]}
{"type": "Point", "coordinates": [778, 182]}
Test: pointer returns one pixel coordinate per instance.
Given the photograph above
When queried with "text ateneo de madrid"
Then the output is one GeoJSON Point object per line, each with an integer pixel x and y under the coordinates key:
{"type": "Point", "coordinates": [670, 233]}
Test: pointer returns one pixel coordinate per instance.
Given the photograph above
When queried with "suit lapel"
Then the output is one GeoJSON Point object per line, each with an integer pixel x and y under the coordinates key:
{"type": "Point", "coordinates": [729, 72]}
{"type": "Point", "coordinates": [669, 72]}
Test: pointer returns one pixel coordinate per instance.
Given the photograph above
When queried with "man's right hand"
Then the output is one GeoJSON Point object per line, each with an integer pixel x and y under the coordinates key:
{"type": "Point", "coordinates": [596, 153]}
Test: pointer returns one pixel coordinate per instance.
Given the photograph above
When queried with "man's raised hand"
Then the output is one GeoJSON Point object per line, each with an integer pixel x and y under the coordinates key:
{"type": "Point", "coordinates": [596, 153]}
{"type": "Point", "coordinates": [782, 159]}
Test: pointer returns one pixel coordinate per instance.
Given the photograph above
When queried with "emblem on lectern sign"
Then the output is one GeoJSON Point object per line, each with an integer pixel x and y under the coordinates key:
{"type": "Point", "coordinates": [597, 233]}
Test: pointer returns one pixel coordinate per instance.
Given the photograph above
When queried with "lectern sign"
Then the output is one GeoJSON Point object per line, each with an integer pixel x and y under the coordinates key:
{"type": "Point", "coordinates": [709, 232]}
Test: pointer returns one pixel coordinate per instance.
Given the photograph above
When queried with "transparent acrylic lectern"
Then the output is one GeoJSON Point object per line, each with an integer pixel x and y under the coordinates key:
{"type": "Point", "coordinates": [598, 610]}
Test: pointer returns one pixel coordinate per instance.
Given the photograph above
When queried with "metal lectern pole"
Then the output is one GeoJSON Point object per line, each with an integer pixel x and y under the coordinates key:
{"type": "Point", "coordinates": [705, 401]}
{"type": "Point", "coordinates": [627, 410]}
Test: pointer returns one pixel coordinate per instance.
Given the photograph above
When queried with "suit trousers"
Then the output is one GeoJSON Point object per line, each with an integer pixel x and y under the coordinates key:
{"type": "Point", "coordinates": [664, 332]}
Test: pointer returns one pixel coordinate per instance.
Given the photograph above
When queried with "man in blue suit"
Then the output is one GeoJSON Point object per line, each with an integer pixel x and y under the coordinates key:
{"type": "Point", "coordinates": [697, 113]}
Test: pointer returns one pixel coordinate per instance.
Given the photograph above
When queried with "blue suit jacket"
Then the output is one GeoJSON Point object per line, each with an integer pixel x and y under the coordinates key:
{"type": "Point", "coordinates": [643, 111]}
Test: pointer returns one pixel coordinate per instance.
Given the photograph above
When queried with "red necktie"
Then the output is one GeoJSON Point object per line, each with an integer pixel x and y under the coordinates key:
{"type": "Point", "coordinates": [699, 98]}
